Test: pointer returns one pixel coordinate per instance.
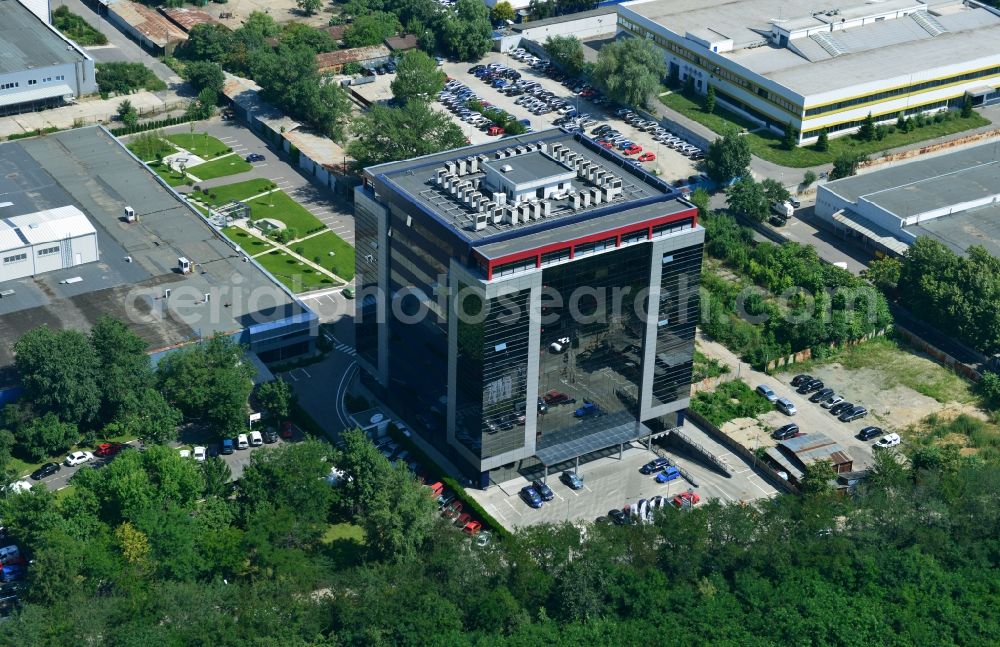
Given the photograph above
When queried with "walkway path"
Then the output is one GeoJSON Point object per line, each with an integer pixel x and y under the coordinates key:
{"type": "Point", "coordinates": [283, 247]}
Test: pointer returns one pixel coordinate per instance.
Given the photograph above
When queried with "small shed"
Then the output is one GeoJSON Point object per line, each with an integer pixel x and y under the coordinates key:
{"type": "Point", "coordinates": [46, 241]}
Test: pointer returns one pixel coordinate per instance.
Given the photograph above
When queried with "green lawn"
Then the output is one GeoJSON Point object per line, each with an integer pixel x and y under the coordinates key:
{"type": "Point", "coordinates": [172, 177]}
{"type": "Point", "coordinates": [317, 249]}
{"type": "Point", "coordinates": [280, 206]}
{"type": "Point", "coordinates": [768, 146]}
{"type": "Point", "coordinates": [296, 276]}
{"type": "Point", "coordinates": [344, 544]}
{"type": "Point", "coordinates": [147, 146]}
{"type": "Point", "coordinates": [220, 167]}
{"type": "Point", "coordinates": [202, 145]}
{"type": "Point", "coordinates": [237, 191]}
{"type": "Point", "coordinates": [249, 243]}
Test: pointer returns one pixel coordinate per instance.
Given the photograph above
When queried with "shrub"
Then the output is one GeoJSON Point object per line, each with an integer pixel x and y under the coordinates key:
{"type": "Point", "coordinates": [808, 178]}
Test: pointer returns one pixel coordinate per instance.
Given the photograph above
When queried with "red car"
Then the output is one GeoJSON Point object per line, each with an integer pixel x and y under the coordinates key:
{"type": "Point", "coordinates": [286, 429]}
{"type": "Point", "coordinates": [686, 500]}
{"type": "Point", "coordinates": [472, 528]}
{"type": "Point", "coordinates": [494, 131]}
{"type": "Point", "coordinates": [647, 157]}
{"type": "Point", "coordinates": [633, 149]}
{"type": "Point", "coordinates": [108, 449]}
{"type": "Point", "coordinates": [553, 398]}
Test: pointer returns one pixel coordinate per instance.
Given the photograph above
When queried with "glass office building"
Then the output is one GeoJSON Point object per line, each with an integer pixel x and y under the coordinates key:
{"type": "Point", "coordinates": [527, 306]}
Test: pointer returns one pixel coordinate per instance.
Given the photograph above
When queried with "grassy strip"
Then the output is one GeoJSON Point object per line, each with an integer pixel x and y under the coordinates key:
{"type": "Point", "coordinates": [279, 206]}
{"type": "Point", "coordinates": [296, 276]}
{"type": "Point", "coordinates": [173, 178]}
{"type": "Point", "coordinates": [221, 167]}
{"type": "Point", "coordinates": [237, 191]}
{"type": "Point", "coordinates": [76, 28]}
{"type": "Point", "coordinates": [468, 503]}
{"type": "Point", "coordinates": [318, 249]}
{"type": "Point", "coordinates": [202, 145]}
{"type": "Point", "coordinates": [769, 147]}
{"type": "Point", "coordinates": [734, 399]}
{"type": "Point", "coordinates": [247, 242]}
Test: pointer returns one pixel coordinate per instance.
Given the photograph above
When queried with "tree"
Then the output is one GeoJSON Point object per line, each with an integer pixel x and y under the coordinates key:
{"type": "Point", "coordinates": [205, 74]}
{"type": "Point", "coordinates": [846, 165]}
{"type": "Point", "coordinates": [630, 70]}
{"type": "Point", "coordinates": [791, 137]}
{"type": "Point", "coordinates": [386, 134]}
{"type": "Point", "coordinates": [709, 105]}
{"type": "Point", "coordinates": [60, 372]}
{"type": "Point", "coordinates": [823, 141]}
{"type": "Point", "coordinates": [371, 29]}
{"type": "Point", "coordinates": [728, 157]}
{"type": "Point", "coordinates": [866, 132]}
{"type": "Point", "coordinates": [700, 199]}
{"type": "Point", "coordinates": [502, 12]}
{"type": "Point", "coordinates": [566, 52]}
{"type": "Point", "coordinates": [276, 397]}
{"type": "Point", "coordinates": [210, 381]}
{"type": "Point", "coordinates": [125, 78]}
{"type": "Point", "coordinates": [967, 107]}
{"type": "Point", "coordinates": [148, 416]}
{"type": "Point", "coordinates": [216, 474]}
{"type": "Point", "coordinates": [466, 32]}
{"type": "Point", "coordinates": [208, 42]}
{"type": "Point", "coordinates": [417, 77]}
{"type": "Point", "coordinates": [127, 113]}
{"type": "Point", "coordinates": [46, 436]}
{"type": "Point", "coordinates": [989, 389]}
{"type": "Point", "coordinates": [124, 369]}
{"type": "Point", "coordinates": [774, 191]}
{"type": "Point", "coordinates": [309, 7]}
{"type": "Point", "coordinates": [883, 273]}
{"type": "Point", "coordinates": [747, 197]}
{"type": "Point", "coordinates": [808, 178]}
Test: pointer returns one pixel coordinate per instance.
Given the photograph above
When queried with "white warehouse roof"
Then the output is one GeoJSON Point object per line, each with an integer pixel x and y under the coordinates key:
{"type": "Point", "coordinates": [49, 226]}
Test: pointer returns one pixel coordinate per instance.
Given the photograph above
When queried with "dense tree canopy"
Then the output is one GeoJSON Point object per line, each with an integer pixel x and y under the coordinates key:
{"type": "Point", "coordinates": [466, 33]}
{"type": "Point", "coordinates": [728, 157]}
{"type": "Point", "coordinates": [60, 372]}
{"type": "Point", "coordinates": [386, 134]}
{"type": "Point", "coordinates": [417, 77]}
{"type": "Point", "coordinates": [566, 52]}
{"type": "Point", "coordinates": [371, 29]}
{"type": "Point", "coordinates": [630, 70]}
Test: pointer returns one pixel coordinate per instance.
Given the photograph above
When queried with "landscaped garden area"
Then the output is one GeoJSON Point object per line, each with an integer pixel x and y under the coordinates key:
{"type": "Point", "coordinates": [152, 147]}
{"type": "Point", "coordinates": [768, 146]}
{"type": "Point", "coordinates": [294, 273]}
{"type": "Point", "coordinates": [247, 241]}
{"type": "Point", "coordinates": [238, 191]}
{"type": "Point", "coordinates": [317, 249]}
{"type": "Point", "coordinates": [220, 167]}
{"type": "Point", "coordinates": [203, 145]}
{"type": "Point", "coordinates": [279, 206]}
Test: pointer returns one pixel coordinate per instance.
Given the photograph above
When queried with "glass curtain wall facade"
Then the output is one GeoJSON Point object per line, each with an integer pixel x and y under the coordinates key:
{"type": "Point", "coordinates": [676, 320]}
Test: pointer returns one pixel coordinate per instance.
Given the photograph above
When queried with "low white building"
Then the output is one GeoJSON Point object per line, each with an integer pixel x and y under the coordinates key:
{"type": "Point", "coordinates": [39, 67]}
{"type": "Point", "coordinates": [44, 241]}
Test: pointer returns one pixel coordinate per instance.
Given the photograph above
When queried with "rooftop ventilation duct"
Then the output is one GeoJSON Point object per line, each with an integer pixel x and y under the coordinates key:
{"type": "Point", "coordinates": [506, 168]}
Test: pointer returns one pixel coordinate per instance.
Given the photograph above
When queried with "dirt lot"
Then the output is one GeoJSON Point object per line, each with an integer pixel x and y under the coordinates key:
{"type": "Point", "coordinates": [281, 10]}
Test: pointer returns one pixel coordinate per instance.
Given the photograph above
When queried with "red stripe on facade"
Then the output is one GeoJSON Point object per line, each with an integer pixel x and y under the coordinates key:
{"type": "Point", "coordinates": [571, 243]}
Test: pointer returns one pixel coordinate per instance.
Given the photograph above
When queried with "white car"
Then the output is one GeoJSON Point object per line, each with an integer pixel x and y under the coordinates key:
{"type": "Point", "coordinates": [185, 453]}
{"type": "Point", "coordinates": [199, 454]}
{"type": "Point", "coordinates": [242, 442]}
{"type": "Point", "coordinates": [887, 441]}
{"type": "Point", "coordinates": [78, 458]}
{"type": "Point", "coordinates": [830, 403]}
{"type": "Point", "coordinates": [767, 392]}
{"type": "Point", "coordinates": [256, 440]}
{"type": "Point", "coordinates": [559, 345]}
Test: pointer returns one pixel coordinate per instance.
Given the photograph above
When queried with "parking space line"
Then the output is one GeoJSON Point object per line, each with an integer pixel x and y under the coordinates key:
{"type": "Point", "coordinates": [306, 372]}
{"type": "Point", "coordinates": [289, 374]}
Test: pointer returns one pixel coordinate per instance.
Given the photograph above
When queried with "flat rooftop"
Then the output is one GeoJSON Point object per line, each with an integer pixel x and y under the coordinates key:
{"type": "Point", "coordinates": [414, 180]}
{"type": "Point", "coordinates": [930, 183]}
{"type": "Point", "coordinates": [955, 34]}
{"type": "Point", "coordinates": [89, 169]}
{"type": "Point", "coordinates": [960, 231]}
{"type": "Point", "coordinates": [28, 43]}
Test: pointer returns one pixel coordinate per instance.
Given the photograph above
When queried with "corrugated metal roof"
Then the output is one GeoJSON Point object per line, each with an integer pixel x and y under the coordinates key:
{"type": "Point", "coordinates": [328, 60]}
{"type": "Point", "coordinates": [147, 22]}
{"type": "Point", "coordinates": [28, 43]}
{"type": "Point", "coordinates": [49, 226]}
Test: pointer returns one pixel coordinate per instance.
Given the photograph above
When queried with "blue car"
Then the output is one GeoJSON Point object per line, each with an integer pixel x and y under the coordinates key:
{"type": "Point", "coordinates": [625, 144]}
{"type": "Point", "coordinates": [588, 409]}
{"type": "Point", "coordinates": [543, 490]}
{"type": "Point", "coordinates": [531, 497]}
{"type": "Point", "coordinates": [668, 474]}
{"type": "Point", "coordinates": [227, 446]}
{"type": "Point", "coordinates": [13, 572]}
{"type": "Point", "coordinates": [524, 122]}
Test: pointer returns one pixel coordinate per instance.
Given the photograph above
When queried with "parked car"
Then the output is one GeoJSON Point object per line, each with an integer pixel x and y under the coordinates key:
{"type": "Point", "coordinates": [786, 432]}
{"type": "Point", "coordinates": [809, 387]}
{"type": "Point", "coordinates": [78, 458]}
{"type": "Point", "coordinates": [786, 406]}
{"type": "Point", "coordinates": [647, 157]}
{"type": "Point", "coordinates": [588, 409]}
{"type": "Point", "coordinates": [242, 442]}
{"type": "Point", "coordinates": [108, 449]}
{"type": "Point", "coordinates": [559, 345]}
{"type": "Point", "coordinates": [654, 465]}
{"type": "Point", "coordinates": [270, 436]}
{"type": "Point", "coordinates": [255, 439]}
{"type": "Point", "coordinates": [685, 500]}
{"type": "Point", "coordinates": [841, 408]}
{"type": "Point", "coordinates": [832, 401]}
{"type": "Point", "coordinates": [854, 414]}
{"type": "Point", "coordinates": [543, 490]}
{"type": "Point", "coordinates": [200, 454]}
{"type": "Point", "coordinates": [254, 157]}
{"type": "Point", "coordinates": [184, 453]}
{"type": "Point", "coordinates": [531, 496]}
{"type": "Point", "coordinates": [799, 379]}
{"type": "Point", "coordinates": [572, 479]}
{"type": "Point", "coordinates": [887, 441]}
{"type": "Point", "coordinates": [227, 446]}
{"type": "Point", "coordinates": [618, 517]}
{"type": "Point", "coordinates": [46, 470]}
{"type": "Point", "coordinates": [287, 431]}
{"type": "Point", "coordinates": [669, 473]}
{"type": "Point", "coordinates": [821, 395]}
{"type": "Point", "coordinates": [554, 398]}
{"type": "Point", "coordinates": [767, 392]}
{"type": "Point", "coordinates": [869, 432]}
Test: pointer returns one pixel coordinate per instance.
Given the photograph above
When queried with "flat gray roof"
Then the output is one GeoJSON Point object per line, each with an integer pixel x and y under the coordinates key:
{"type": "Point", "coordinates": [414, 180]}
{"type": "Point", "coordinates": [528, 167]}
{"type": "Point", "coordinates": [926, 184]}
{"type": "Point", "coordinates": [874, 52]}
{"type": "Point", "coordinates": [90, 169]}
{"type": "Point", "coordinates": [28, 43]}
{"type": "Point", "coordinates": [962, 230]}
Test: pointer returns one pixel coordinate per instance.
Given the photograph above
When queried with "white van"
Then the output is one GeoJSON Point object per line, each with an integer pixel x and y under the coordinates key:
{"type": "Point", "coordinates": [241, 442]}
{"type": "Point", "coordinates": [256, 440]}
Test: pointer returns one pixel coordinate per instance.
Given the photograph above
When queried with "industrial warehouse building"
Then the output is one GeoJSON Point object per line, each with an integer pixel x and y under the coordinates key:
{"type": "Point", "coordinates": [953, 198]}
{"type": "Point", "coordinates": [45, 241]}
{"type": "Point", "coordinates": [547, 373]}
{"type": "Point", "coordinates": [169, 275]}
{"type": "Point", "coordinates": [39, 67]}
{"type": "Point", "coordinates": [827, 64]}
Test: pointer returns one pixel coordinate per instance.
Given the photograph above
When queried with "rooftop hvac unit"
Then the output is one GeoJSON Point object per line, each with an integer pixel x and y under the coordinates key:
{"type": "Point", "coordinates": [439, 175]}
{"type": "Point", "coordinates": [595, 195]}
{"type": "Point", "coordinates": [555, 149]}
{"type": "Point", "coordinates": [529, 148]}
{"type": "Point", "coordinates": [461, 168]}
{"type": "Point", "coordinates": [536, 210]}
{"type": "Point", "coordinates": [506, 168]}
{"type": "Point", "coordinates": [498, 214]}
{"type": "Point", "coordinates": [129, 215]}
{"type": "Point", "coordinates": [546, 208]}
{"type": "Point", "coordinates": [509, 152]}
{"type": "Point", "coordinates": [575, 201]}
{"type": "Point", "coordinates": [481, 221]}
{"type": "Point", "coordinates": [584, 198]}
{"type": "Point", "coordinates": [450, 164]}
{"type": "Point", "coordinates": [499, 155]}
{"type": "Point", "coordinates": [473, 163]}
{"type": "Point", "coordinates": [184, 265]}
{"type": "Point", "coordinates": [500, 197]}
{"type": "Point", "coordinates": [584, 168]}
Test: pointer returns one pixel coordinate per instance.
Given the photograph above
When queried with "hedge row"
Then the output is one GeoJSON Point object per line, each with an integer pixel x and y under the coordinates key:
{"type": "Point", "coordinates": [467, 501]}
{"type": "Point", "coordinates": [149, 125]}
{"type": "Point", "coordinates": [34, 133]}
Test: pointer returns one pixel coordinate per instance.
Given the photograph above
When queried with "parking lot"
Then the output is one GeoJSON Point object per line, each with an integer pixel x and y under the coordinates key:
{"type": "Point", "coordinates": [668, 163]}
{"type": "Point", "coordinates": [610, 483]}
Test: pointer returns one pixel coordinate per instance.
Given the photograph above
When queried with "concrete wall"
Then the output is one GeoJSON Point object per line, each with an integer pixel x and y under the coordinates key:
{"type": "Point", "coordinates": [78, 76]}
{"type": "Point", "coordinates": [582, 28]}
{"type": "Point", "coordinates": [81, 249]}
